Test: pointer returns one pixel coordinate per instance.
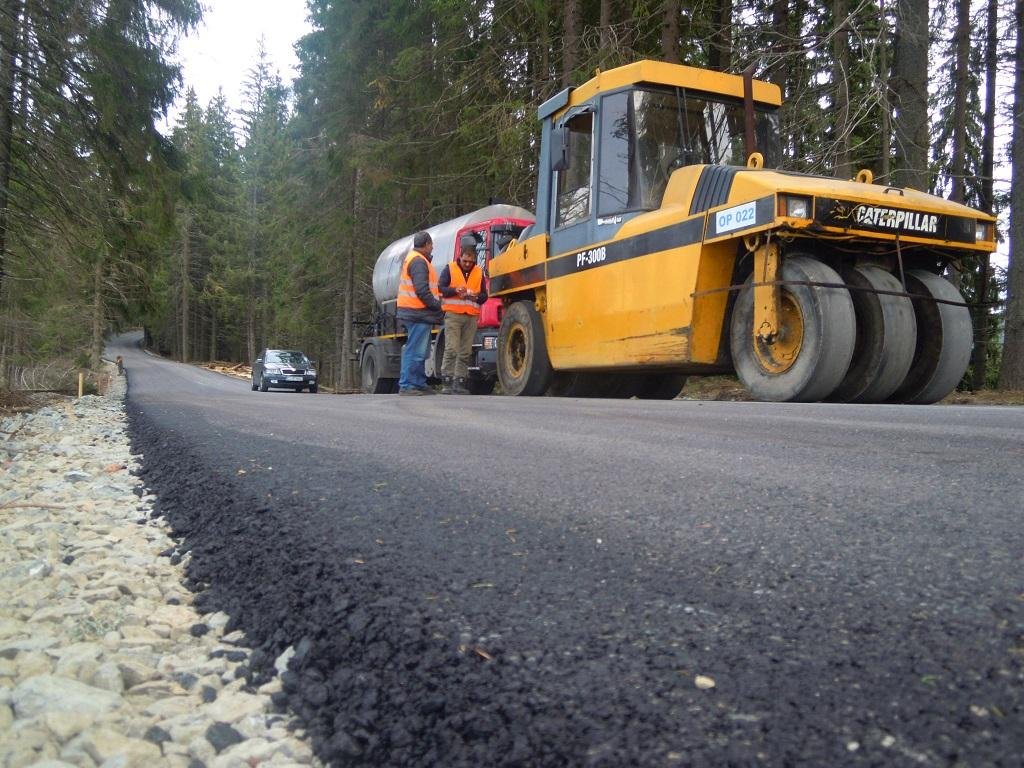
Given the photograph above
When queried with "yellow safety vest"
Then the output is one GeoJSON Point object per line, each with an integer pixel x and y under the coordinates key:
{"type": "Point", "coordinates": [407, 298]}
{"type": "Point", "coordinates": [471, 284]}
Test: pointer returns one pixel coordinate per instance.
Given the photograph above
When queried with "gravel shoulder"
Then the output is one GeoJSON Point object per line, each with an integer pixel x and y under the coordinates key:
{"type": "Point", "coordinates": [104, 659]}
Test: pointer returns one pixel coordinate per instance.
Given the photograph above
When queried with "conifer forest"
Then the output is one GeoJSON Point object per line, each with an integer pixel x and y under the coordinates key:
{"type": "Point", "coordinates": [226, 233]}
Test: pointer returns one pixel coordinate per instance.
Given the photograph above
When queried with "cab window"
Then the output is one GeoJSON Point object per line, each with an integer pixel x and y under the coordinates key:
{"type": "Point", "coordinates": [574, 182]}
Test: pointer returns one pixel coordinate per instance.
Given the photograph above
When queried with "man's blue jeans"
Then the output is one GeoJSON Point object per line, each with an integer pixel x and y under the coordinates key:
{"type": "Point", "coordinates": [414, 355]}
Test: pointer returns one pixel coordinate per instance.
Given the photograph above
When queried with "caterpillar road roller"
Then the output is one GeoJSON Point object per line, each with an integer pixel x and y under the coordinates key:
{"type": "Point", "coordinates": [665, 246]}
{"type": "Point", "coordinates": [380, 351]}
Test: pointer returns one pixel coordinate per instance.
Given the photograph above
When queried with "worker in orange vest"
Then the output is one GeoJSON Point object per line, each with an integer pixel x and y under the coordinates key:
{"type": "Point", "coordinates": [462, 292]}
{"type": "Point", "coordinates": [419, 309]}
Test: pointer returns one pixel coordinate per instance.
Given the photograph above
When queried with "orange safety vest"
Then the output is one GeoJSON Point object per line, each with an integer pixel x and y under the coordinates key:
{"type": "Point", "coordinates": [407, 298]}
{"type": "Point", "coordinates": [471, 284]}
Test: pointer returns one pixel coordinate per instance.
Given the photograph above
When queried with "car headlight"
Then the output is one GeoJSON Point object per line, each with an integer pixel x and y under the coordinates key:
{"type": "Point", "coordinates": [795, 206]}
{"type": "Point", "coordinates": [272, 368]}
{"type": "Point", "coordinates": [983, 231]}
{"type": "Point", "coordinates": [311, 371]}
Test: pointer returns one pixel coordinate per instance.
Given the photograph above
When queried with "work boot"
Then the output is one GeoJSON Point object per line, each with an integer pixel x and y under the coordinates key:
{"type": "Point", "coordinates": [446, 385]}
{"type": "Point", "coordinates": [460, 388]}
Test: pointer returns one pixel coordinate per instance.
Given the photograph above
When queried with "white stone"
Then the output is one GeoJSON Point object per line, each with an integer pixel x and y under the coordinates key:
{"type": "Point", "coordinates": [104, 743]}
{"type": "Point", "coordinates": [48, 693]}
{"type": "Point", "coordinates": [66, 725]}
{"type": "Point", "coordinates": [232, 706]}
{"type": "Point", "coordinates": [108, 677]}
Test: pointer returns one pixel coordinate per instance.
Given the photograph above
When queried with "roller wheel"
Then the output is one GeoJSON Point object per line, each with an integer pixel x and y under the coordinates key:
{"type": "Point", "coordinates": [523, 364]}
{"type": "Point", "coordinates": [886, 335]}
{"type": "Point", "coordinates": [369, 373]}
{"type": "Point", "coordinates": [813, 349]}
{"type": "Point", "coordinates": [944, 341]}
{"type": "Point", "coordinates": [263, 384]}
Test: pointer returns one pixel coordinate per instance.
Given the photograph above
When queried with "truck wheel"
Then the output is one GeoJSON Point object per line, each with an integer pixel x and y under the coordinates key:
{"type": "Point", "coordinates": [944, 340]}
{"type": "Point", "coordinates": [810, 357]}
{"type": "Point", "coordinates": [369, 373]}
{"type": "Point", "coordinates": [523, 364]}
{"type": "Point", "coordinates": [886, 334]}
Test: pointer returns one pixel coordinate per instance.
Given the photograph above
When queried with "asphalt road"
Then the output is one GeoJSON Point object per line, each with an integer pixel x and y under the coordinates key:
{"type": "Point", "coordinates": [540, 581]}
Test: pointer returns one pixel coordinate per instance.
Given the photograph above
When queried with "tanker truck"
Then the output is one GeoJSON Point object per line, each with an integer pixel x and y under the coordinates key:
{"type": "Point", "coordinates": [380, 351]}
{"type": "Point", "coordinates": [664, 246]}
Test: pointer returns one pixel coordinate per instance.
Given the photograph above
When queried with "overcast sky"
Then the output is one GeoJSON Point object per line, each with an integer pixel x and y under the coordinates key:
{"type": "Point", "coordinates": [222, 50]}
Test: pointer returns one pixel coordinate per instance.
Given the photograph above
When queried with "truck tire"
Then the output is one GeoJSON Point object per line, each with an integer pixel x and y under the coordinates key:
{"type": "Point", "coordinates": [886, 336]}
{"type": "Point", "coordinates": [523, 364]}
{"type": "Point", "coordinates": [369, 373]}
{"type": "Point", "coordinates": [944, 341]}
{"type": "Point", "coordinates": [815, 345]}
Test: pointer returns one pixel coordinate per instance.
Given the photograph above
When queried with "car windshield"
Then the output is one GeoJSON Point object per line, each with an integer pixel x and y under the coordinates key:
{"type": "Point", "coordinates": [293, 359]}
{"type": "Point", "coordinates": [646, 134]}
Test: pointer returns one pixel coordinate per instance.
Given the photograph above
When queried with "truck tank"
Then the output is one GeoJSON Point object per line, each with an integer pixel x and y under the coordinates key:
{"type": "Point", "coordinates": [387, 271]}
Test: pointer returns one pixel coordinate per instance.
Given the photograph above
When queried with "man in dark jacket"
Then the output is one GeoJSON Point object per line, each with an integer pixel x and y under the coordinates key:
{"type": "Point", "coordinates": [419, 309]}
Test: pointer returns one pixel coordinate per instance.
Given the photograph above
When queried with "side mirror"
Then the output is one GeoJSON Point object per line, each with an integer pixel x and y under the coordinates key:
{"type": "Point", "coordinates": [560, 148]}
{"type": "Point", "coordinates": [259, 359]}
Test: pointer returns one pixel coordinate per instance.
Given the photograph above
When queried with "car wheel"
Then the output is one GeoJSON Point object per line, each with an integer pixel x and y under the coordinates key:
{"type": "Point", "coordinates": [313, 389]}
{"type": "Point", "coordinates": [263, 384]}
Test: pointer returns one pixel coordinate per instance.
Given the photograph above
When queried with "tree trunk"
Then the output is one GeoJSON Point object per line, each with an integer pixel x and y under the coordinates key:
{"type": "Point", "coordinates": [9, 36]}
{"type": "Point", "coordinates": [349, 294]}
{"type": "Point", "coordinates": [670, 31]}
{"type": "Point", "coordinates": [570, 39]}
{"type": "Point", "coordinates": [98, 309]}
{"type": "Point", "coordinates": [885, 127]}
{"type": "Point", "coordinates": [606, 25]}
{"type": "Point", "coordinates": [720, 49]}
{"type": "Point", "coordinates": [910, 94]}
{"type": "Point", "coordinates": [840, 80]}
{"type": "Point", "coordinates": [961, 50]}
{"type": "Point", "coordinates": [213, 330]}
{"type": "Point", "coordinates": [186, 285]}
{"type": "Point", "coordinates": [982, 332]}
{"type": "Point", "coordinates": [1011, 373]}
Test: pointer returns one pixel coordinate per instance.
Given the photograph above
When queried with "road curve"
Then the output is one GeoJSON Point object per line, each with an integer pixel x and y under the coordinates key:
{"type": "Point", "coordinates": [550, 582]}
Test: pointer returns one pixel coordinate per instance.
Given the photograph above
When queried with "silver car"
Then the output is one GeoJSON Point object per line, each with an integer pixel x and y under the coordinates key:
{"type": "Point", "coordinates": [283, 369]}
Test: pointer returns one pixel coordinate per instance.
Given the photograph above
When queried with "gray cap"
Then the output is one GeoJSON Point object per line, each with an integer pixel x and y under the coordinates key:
{"type": "Point", "coordinates": [467, 241]}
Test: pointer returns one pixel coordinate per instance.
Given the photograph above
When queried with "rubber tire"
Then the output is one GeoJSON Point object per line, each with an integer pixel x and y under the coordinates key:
{"type": "Point", "coordinates": [535, 376]}
{"type": "Point", "coordinates": [481, 386]}
{"type": "Point", "coordinates": [945, 337]}
{"type": "Point", "coordinates": [371, 383]}
{"type": "Point", "coordinates": [886, 336]}
{"type": "Point", "coordinates": [254, 385]}
{"type": "Point", "coordinates": [263, 384]}
{"type": "Point", "coordinates": [828, 337]}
